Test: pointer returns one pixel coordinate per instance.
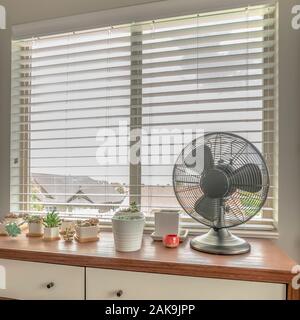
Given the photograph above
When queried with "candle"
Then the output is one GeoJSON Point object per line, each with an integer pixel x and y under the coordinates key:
{"type": "Point", "coordinates": [171, 240]}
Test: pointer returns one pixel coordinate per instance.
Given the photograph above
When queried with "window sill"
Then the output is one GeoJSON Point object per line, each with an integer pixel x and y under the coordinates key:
{"type": "Point", "coordinates": [260, 229]}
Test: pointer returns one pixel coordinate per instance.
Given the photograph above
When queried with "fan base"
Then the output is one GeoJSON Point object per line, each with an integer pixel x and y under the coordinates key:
{"type": "Point", "coordinates": [221, 241]}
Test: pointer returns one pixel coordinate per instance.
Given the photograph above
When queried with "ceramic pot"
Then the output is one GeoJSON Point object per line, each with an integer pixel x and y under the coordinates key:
{"type": "Point", "coordinates": [128, 231]}
{"type": "Point", "coordinates": [84, 233]}
{"type": "Point", "coordinates": [35, 228]}
{"type": "Point", "coordinates": [166, 222]}
{"type": "Point", "coordinates": [51, 233]}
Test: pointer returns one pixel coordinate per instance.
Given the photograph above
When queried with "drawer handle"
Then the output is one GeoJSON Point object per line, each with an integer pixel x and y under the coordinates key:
{"type": "Point", "coordinates": [119, 293]}
{"type": "Point", "coordinates": [50, 285]}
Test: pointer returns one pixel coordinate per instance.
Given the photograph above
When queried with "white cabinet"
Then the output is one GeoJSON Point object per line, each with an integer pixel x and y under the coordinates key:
{"type": "Point", "coordinates": [112, 284]}
{"type": "Point", "coordinates": [31, 280]}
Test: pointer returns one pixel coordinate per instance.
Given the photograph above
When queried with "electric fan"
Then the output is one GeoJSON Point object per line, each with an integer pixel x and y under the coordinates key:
{"type": "Point", "coordinates": [221, 180]}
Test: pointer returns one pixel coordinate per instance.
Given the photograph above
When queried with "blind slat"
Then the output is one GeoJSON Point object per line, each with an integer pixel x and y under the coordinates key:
{"type": "Point", "coordinates": [214, 80]}
{"type": "Point", "coordinates": [189, 90]}
{"type": "Point", "coordinates": [147, 115]}
{"type": "Point", "coordinates": [151, 56]}
{"type": "Point", "coordinates": [195, 41]}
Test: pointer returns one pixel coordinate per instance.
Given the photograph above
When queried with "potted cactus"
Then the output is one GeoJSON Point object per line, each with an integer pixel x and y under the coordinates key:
{"type": "Point", "coordinates": [66, 224]}
{"type": "Point", "coordinates": [51, 226]}
{"type": "Point", "coordinates": [68, 234]}
{"type": "Point", "coordinates": [128, 226]}
{"type": "Point", "coordinates": [87, 230]}
{"type": "Point", "coordinates": [35, 226]}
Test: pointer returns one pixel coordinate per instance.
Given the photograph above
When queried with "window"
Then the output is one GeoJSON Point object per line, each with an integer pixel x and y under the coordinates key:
{"type": "Point", "coordinates": [99, 116]}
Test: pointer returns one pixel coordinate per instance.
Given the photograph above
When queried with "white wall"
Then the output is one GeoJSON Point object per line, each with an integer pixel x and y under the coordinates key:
{"type": "Point", "coordinates": [289, 95]}
{"type": "Point", "coordinates": [289, 131]}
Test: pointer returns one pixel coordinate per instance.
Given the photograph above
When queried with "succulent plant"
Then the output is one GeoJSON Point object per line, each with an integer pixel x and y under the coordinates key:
{"type": "Point", "coordinates": [68, 234]}
{"type": "Point", "coordinates": [130, 213]}
{"type": "Point", "coordinates": [133, 208]}
{"type": "Point", "coordinates": [52, 220]}
{"type": "Point", "coordinates": [87, 223]}
{"type": "Point", "coordinates": [12, 229]}
{"type": "Point", "coordinates": [34, 219]}
{"type": "Point", "coordinates": [12, 215]}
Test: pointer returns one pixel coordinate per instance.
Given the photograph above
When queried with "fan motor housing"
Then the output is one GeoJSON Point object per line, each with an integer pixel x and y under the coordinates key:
{"type": "Point", "coordinates": [215, 183]}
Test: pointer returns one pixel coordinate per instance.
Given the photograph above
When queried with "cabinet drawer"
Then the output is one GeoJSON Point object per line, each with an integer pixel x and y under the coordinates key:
{"type": "Point", "coordinates": [105, 284]}
{"type": "Point", "coordinates": [29, 280]}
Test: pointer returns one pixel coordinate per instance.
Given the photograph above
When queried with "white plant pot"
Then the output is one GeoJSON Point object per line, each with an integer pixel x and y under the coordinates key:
{"type": "Point", "coordinates": [35, 228]}
{"type": "Point", "coordinates": [84, 233]}
{"type": "Point", "coordinates": [166, 222]}
{"type": "Point", "coordinates": [51, 233]}
{"type": "Point", "coordinates": [2, 229]}
{"type": "Point", "coordinates": [65, 225]}
{"type": "Point", "coordinates": [128, 234]}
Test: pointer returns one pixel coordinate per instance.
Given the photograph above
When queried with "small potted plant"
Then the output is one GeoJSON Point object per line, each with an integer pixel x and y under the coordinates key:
{"type": "Point", "coordinates": [66, 224]}
{"type": "Point", "coordinates": [128, 226]}
{"type": "Point", "coordinates": [51, 226]}
{"type": "Point", "coordinates": [87, 230]}
{"type": "Point", "coordinates": [35, 226]}
{"type": "Point", "coordinates": [11, 226]}
{"type": "Point", "coordinates": [13, 229]}
{"type": "Point", "coordinates": [68, 234]}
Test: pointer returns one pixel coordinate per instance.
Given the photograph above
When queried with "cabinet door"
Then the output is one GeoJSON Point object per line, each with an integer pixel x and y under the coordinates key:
{"type": "Point", "coordinates": [112, 284]}
{"type": "Point", "coordinates": [31, 280]}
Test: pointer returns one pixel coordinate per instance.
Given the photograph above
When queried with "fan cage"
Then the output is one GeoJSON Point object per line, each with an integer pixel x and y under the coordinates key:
{"type": "Point", "coordinates": [228, 151]}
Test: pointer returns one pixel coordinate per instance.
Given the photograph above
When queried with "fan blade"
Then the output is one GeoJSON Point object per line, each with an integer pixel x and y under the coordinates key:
{"type": "Point", "coordinates": [199, 159]}
{"type": "Point", "coordinates": [208, 158]}
{"type": "Point", "coordinates": [208, 208]}
{"type": "Point", "coordinates": [247, 178]}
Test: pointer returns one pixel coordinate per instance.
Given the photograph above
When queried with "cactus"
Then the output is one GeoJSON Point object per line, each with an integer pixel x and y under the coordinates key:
{"type": "Point", "coordinates": [88, 223]}
{"type": "Point", "coordinates": [68, 234]}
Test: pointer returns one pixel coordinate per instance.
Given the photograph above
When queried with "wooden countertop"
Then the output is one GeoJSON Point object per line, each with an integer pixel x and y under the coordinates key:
{"type": "Point", "coordinates": [266, 262]}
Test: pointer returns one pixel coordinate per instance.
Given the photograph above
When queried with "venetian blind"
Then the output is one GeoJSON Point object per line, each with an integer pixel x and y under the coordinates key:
{"type": "Point", "coordinates": [99, 116]}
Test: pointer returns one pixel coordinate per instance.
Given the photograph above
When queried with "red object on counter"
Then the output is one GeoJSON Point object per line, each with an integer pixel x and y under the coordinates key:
{"type": "Point", "coordinates": [171, 240]}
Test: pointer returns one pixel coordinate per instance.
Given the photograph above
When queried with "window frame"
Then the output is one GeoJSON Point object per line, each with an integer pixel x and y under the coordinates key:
{"type": "Point", "coordinates": [267, 222]}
